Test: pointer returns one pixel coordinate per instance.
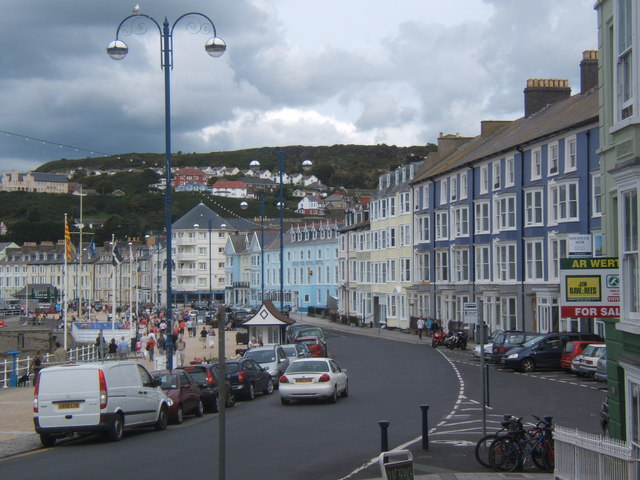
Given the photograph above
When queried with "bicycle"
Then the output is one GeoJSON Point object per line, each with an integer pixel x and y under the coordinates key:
{"type": "Point", "coordinates": [510, 452]}
{"type": "Point", "coordinates": [482, 446]}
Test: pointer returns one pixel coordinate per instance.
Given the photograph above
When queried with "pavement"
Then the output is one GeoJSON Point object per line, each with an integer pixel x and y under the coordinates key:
{"type": "Point", "coordinates": [440, 462]}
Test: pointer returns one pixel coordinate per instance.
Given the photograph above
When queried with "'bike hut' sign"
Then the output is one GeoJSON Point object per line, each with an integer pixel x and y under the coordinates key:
{"type": "Point", "coordinates": [590, 287]}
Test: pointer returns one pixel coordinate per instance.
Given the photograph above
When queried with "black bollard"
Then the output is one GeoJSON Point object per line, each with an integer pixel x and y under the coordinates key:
{"type": "Point", "coordinates": [384, 440]}
{"type": "Point", "coordinates": [425, 426]}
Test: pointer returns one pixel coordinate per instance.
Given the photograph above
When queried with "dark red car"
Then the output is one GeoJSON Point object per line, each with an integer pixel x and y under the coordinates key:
{"type": "Point", "coordinates": [315, 345]}
{"type": "Point", "coordinates": [183, 392]}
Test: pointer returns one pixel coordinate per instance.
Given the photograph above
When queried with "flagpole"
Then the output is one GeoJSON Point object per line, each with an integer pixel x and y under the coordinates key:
{"type": "Point", "coordinates": [113, 283]}
{"type": "Point", "coordinates": [79, 276]}
{"type": "Point", "coordinates": [66, 282]}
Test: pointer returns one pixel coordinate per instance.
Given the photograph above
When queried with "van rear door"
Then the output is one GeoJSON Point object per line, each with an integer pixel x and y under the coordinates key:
{"type": "Point", "coordinates": [68, 397]}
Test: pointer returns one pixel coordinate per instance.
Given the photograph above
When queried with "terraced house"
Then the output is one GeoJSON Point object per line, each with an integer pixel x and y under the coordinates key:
{"type": "Point", "coordinates": [619, 80]}
{"type": "Point", "coordinates": [493, 214]}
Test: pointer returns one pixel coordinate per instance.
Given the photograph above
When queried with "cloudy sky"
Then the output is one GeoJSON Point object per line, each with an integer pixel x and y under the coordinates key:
{"type": "Point", "coordinates": [306, 72]}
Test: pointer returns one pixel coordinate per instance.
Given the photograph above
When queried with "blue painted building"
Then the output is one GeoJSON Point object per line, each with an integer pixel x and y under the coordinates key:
{"type": "Point", "coordinates": [494, 214]}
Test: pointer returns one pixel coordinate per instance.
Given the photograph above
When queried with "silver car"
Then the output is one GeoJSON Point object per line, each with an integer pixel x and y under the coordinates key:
{"type": "Point", "coordinates": [270, 357]}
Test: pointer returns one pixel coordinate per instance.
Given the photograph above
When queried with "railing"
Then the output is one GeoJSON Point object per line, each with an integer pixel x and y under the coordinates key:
{"type": "Point", "coordinates": [24, 366]}
{"type": "Point", "coordinates": [585, 456]}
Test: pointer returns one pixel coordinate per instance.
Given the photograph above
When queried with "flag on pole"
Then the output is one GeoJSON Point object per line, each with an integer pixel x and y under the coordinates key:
{"type": "Point", "coordinates": [92, 249]}
{"type": "Point", "coordinates": [69, 249]}
{"type": "Point", "coordinates": [117, 256]}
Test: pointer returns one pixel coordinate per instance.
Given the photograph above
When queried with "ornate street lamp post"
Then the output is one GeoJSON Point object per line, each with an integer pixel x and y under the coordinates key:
{"type": "Point", "coordinates": [117, 50]}
{"type": "Point", "coordinates": [306, 165]}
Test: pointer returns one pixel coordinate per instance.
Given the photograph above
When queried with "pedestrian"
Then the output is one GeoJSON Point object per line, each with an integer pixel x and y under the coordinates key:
{"type": "Point", "coordinates": [151, 345]}
{"type": "Point", "coordinates": [429, 326]}
{"type": "Point", "coordinates": [162, 340]}
{"type": "Point", "coordinates": [203, 337]}
{"type": "Point", "coordinates": [101, 345]}
{"type": "Point", "coordinates": [181, 345]}
{"type": "Point", "coordinates": [435, 327]}
{"type": "Point", "coordinates": [123, 348]}
{"type": "Point", "coordinates": [211, 338]}
{"type": "Point", "coordinates": [37, 363]}
{"type": "Point", "coordinates": [420, 325]}
{"type": "Point", "coordinates": [113, 348]}
{"type": "Point", "coordinates": [60, 353]}
{"type": "Point", "coordinates": [252, 343]}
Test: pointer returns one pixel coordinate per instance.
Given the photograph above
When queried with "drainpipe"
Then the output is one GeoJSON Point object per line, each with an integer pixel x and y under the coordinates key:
{"type": "Point", "coordinates": [523, 261]}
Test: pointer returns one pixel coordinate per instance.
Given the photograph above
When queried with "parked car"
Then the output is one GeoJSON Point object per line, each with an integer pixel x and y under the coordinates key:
{"type": "Point", "coordinates": [311, 332]}
{"type": "Point", "coordinates": [313, 378]}
{"type": "Point", "coordinates": [271, 357]}
{"type": "Point", "coordinates": [183, 391]}
{"type": "Point", "coordinates": [291, 330]}
{"type": "Point", "coordinates": [296, 350]}
{"type": "Point", "coordinates": [589, 359]}
{"type": "Point", "coordinates": [488, 347]}
{"type": "Point", "coordinates": [316, 347]}
{"type": "Point", "coordinates": [572, 350]}
{"type": "Point", "coordinates": [247, 377]}
{"type": "Point", "coordinates": [543, 351]}
{"type": "Point", "coordinates": [505, 341]}
{"type": "Point", "coordinates": [106, 397]}
{"type": "Point", "coordinates": [601, 369]}
{"type": "Point", "coordinates": [206, 375]}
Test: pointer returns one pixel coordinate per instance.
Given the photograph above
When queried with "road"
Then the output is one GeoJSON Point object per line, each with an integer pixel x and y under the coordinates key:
{"type": "Point", "coordinates": [389, 380]}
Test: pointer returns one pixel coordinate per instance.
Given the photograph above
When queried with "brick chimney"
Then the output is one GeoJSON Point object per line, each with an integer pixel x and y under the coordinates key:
{"type": "Point", "coordinates": [588, 70]}
{"type": "Point", "coordinates": [447, 144]}
{"type": "Point", "coordinates": [489, 127]}
{"type": "Point", "coordinates": [541, 92]}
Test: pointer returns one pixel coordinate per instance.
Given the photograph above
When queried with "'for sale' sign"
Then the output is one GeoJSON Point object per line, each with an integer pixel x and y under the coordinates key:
{"type": "Point", "coordinates": [589, 287]}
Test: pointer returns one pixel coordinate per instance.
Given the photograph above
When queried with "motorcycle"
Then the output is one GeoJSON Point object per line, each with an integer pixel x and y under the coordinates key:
{"type": "Point", "coordinates": [457, 340]}
{"type": "Point", "coordinates": [438, 339]}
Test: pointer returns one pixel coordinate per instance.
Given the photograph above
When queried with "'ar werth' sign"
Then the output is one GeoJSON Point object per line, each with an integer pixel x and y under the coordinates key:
{"type": "Point", "coordinates": [590, 287]}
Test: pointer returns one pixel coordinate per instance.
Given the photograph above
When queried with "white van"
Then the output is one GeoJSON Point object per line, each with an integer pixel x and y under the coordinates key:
{"type": "Point", "coordinates": [97, 397]}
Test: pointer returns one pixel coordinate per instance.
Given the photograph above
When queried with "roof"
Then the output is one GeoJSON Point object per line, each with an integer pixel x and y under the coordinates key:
{"type": "Point", "coordinates": [201, 215]}
{"type": "Point", "coordinates": [190, 171]}
{"type": "Point", "coordinates": [229, 184]}
{"type": "Point", "coordinates": [49, 177]}
{"type": "Point", "coordinates": [268, 315]}
{"type": "Point", "coordinates": [577, 111]}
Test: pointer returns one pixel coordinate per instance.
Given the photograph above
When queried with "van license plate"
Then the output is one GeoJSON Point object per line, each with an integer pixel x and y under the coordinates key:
{"type": "Point", "coordinates": [66, 406]}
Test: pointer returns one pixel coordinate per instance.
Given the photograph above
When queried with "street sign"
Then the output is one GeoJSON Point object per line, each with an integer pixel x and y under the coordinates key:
{"type": "Point", "coordinates": [589, 287]}
{"type": "Point", "coordinates": [580, 246]}
{"type": "Point", "coordinates": [470, 312]}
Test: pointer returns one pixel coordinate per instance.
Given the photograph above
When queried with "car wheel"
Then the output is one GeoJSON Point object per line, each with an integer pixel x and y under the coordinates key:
{"type": "Point", "coordinates": [116, 430]}
{"type": "Point", "coordinates": [527, 365]}
{"type": "Point", "coordinates": [285, 401]}
{"type": "Point", "coordinates": [252, 392]}
{"type": "Point", "coordinates": [231, 400]}
{"type": "Point", "coordinates": [163, 419]}
{"type": "Point", "coordinates": [334, 396]}
{"type": "Point", "coordinates": [179, 418]}
{"type": "Point", "coordinates": [199, 409]}
{"type": "Point", "coordinates": [269, 388]}
{"type": "Point", "coordinates": [47, 440]}
{"type": "Point", "coordinates": [345, 392]}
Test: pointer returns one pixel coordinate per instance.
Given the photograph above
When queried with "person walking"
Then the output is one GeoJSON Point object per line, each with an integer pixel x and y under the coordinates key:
{"type": "Point", "coordinates": [203, 337]}
{"type": "Point", "coordinates": [429, 326]}
{"type": "Point", "coordinates": [151, 345]}
{"type": "Point", "coordinates": [60, 353]}
{"type": "Point", "coordinates": [123, 348]}
{"type": "Point", "coordinates": [181, 346]}
{"type": "Point", "coordinates": [112, 349]}
{"type": "Point", "coordinates": [420, 325]}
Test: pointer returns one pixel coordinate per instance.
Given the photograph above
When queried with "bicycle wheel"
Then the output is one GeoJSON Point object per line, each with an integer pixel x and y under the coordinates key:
{"type": "Point", "coordinates": [482, 449]}
{"type": "Point", "coordinates": [504, 455]}
{"type": "Point", "coordinates": [543, 456]}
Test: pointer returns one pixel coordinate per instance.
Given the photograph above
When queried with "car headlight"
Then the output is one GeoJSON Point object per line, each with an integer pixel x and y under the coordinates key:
{"type": "Point", "coordinates": [512, 356]}
{"type": "Point", "coordinates": [169, 401]}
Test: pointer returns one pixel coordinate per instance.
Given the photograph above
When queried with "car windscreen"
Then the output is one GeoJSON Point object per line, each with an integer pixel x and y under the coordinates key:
{"type": "Point", "coordinates": [311, 332]}
{"type": "Point", "coordinates": [261, 356]}
{"type": "Point", "coordinates": [314, 366]}
{"type": "Point", "coordinates": [198, 375]}
{"type": "Point", "coordinates": [592, 351]}
{"type": "Point", "coordinates": [290, 350]}
{"type": "Point", "coordinates": [168, 381]}
{"type": "Point", "coordinates": [533, 341]}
